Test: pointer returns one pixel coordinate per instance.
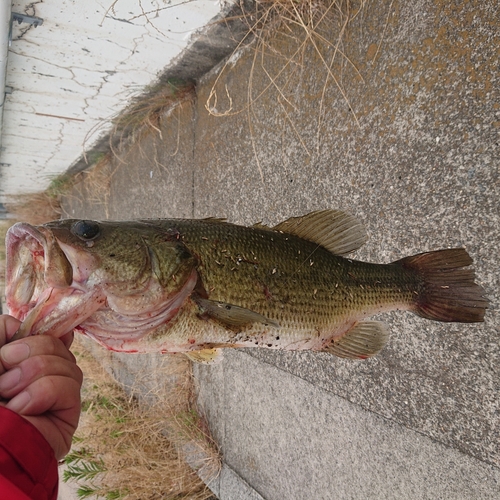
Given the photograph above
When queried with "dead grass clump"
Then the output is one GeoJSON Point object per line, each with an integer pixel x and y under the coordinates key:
{"type": "Point", "coordinates": [310, 29]}
{"type": "Point", "coordinates": [35, 208]}
{"type": "Point", "coordinates": [309, 24]}
{"type": "Point", "coordinates": [143, 116]}
{"type": "Point", "coordinates": [41, 207]}
{"type": "Point", "coordinates": [131, 450]}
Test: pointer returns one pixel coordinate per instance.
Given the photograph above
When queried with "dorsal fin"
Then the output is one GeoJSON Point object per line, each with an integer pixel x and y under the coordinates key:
{"type": "Point", "coordinates": [337, 231]}
{"type": "Point", "coordinates": [260, 225]}
{"type": "Point", "coordinates": [215, 219]}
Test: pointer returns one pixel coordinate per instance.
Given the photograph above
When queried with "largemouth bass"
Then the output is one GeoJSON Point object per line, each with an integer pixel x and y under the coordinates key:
{"type": "Point", "coordinates": [195, 286]}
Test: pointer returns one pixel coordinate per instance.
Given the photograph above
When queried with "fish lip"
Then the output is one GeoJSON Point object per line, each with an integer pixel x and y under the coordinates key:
{"type": "Point", "coordinates": [57, 271]}
{"type": "Point", "coordinates": [19, 231]}
{"type": "Point", "coordinates": [19, 274]}
{"type": "Point", "coordinates": [17, 235]}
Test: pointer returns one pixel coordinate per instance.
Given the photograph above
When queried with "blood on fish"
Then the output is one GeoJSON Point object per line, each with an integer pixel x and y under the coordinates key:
{"type": "Point", "coordinates": [267, 293]}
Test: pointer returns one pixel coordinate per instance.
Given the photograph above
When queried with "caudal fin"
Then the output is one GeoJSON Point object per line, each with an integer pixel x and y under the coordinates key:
{"type": "Point", "coordinates": [447, 292]}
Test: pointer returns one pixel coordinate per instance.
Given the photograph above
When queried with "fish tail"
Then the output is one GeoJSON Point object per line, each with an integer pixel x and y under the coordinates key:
{"type": "Point", "coordinates": [447, 292]}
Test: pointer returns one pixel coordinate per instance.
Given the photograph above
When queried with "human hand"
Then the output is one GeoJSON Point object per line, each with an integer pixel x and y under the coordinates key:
{"type": "Point", "coordinates": [40, 380]}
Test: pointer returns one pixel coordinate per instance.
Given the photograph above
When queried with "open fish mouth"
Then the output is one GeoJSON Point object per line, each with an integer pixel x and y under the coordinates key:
{"type": "Point", "coordinates": [40, 288]}
{"type": "Point", "coordinates": [34, 263]}
{"type": "Point", "coordinates": [53, 288]}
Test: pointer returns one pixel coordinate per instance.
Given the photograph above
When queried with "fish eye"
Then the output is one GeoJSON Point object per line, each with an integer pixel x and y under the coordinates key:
{"type": "Point", "coordinates": [86, 229]}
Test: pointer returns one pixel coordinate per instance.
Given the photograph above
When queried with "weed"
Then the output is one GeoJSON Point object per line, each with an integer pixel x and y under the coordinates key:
{"type": "Point", "coordinates": [306, 28]}
{"type": "Point", "coordinates": [35, 208]}
{"type": "Point", "coordinates": [82, 468]}
{"type": "Point", "coordinates": [41, 207]}
{"type": "Point", "coordinates": [60, 186]}
{"type": "Point", "coordinates": [132, 450]}
{"type": "Point", "coordinates": [143, 115]}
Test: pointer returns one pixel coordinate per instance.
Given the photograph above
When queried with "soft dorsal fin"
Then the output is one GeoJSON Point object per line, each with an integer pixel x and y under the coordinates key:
{"type": "Point", "coordinates": [337, 231]}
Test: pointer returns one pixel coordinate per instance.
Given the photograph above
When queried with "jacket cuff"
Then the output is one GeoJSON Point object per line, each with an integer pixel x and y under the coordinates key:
{"type": "Point", "coordinates": [26, 458]}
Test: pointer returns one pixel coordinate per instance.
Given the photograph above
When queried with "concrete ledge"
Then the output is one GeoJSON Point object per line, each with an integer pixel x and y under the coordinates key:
{"type": "Point", "coordinates": [230, 486]}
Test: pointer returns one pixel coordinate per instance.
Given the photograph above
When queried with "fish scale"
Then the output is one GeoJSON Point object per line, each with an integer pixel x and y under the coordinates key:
{"type": "Point", "coordinates": [350, 284]}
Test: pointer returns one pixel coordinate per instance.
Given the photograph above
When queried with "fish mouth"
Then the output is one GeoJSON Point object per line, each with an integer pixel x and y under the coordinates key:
{"type": "Point", "coordinates": [50, 288]}
{"type": "Point", "coordinates": [40, 290]}
{"type": "Point", "coordinates": [33, 264]}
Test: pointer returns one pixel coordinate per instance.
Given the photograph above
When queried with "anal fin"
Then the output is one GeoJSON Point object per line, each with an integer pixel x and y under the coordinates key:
{"type": "Point", "coordinates": [363, 340]}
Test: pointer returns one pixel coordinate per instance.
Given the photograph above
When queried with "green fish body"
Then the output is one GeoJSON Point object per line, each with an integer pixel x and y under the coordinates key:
{"type": "Point", "coordinates": [194, 286]}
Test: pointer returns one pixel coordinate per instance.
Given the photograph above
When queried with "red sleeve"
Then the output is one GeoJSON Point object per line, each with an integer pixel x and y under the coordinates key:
{"type": "Point", "coordinates": [28, 468]}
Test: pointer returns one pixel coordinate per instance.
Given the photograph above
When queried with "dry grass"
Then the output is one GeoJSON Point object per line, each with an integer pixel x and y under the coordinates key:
{"type": "Point", "coordinates": [143, 116]}
{"type": "Point", "coordinates": [312, 28]}
{"type": "Point", "coordinates": [98, 181]}
{"type": "Point", "coordinates": [41, 207]}
{"type": "Point", "coordinates": [310, 24]}
{"type": "Point", "coordinates": [128, 450]}
{"type": "Point", "coordinates": [35, 208]}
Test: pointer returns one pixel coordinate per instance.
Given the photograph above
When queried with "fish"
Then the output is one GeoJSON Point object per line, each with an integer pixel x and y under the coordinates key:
{"type": "Point", "coordinates": [200, 286]}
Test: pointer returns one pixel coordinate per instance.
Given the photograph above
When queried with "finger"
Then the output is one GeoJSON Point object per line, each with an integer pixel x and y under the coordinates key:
{"type": "Point", "coordinates": [56, 394]}
{"type": "Point", "coordinates": [8, 326]}
{"type": "Point", "coordinates": [67, 339]}
{"type": "Point", "coordinates": [21, 376]}
{"type": "Point", "coordinates": [52, 404]}
{"type": "Point", "coordinates": [16, 352]}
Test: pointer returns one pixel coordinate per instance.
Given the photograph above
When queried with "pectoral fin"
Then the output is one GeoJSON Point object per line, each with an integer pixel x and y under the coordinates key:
{"type": "Point", "coordinates": [362, 341]}
{"type": "Point", "coordinates": [232, 315]}
{"type": "Point", "coordinates": [205, 356]}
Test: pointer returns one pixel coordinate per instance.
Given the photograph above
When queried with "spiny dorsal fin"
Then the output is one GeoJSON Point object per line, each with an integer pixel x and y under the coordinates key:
{"type": "Point", "coordinates": [205, 356]}
{"type": "Point", "coordinates": [232, 315]}
{"type": "Point", "coordinates": [260, 225]}
{"type": "Point", "coordinates": [362, 341]}
{"type": "Point", "coordinates": [337, 231]}
{"type": "Point", "coordinates": [215, 219]}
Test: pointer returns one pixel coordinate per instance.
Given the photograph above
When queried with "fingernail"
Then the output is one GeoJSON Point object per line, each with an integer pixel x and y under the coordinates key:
{"type": "Point", "coordinates": [19, 402]}
{"type": "Point", "coordinates": [10, 379]}
{"type": "Point", "coordinates": [15, 353]}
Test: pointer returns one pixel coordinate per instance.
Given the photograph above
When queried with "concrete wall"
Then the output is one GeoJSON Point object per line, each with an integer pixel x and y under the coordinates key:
{"type": "Point", "coordinates": [398, 124]}
{"type": "Point", "coordinates": [70, 76]}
